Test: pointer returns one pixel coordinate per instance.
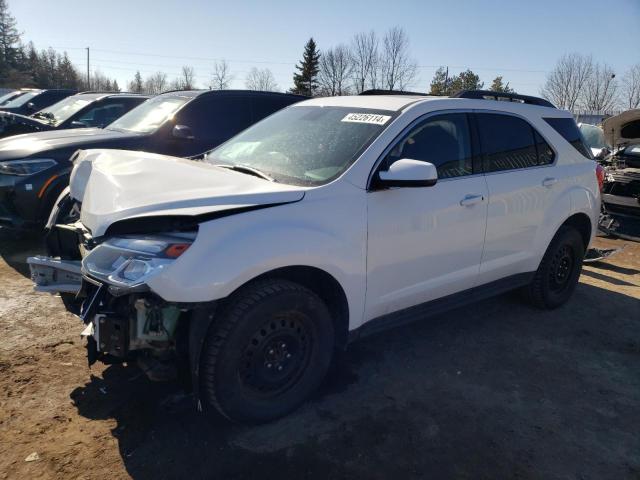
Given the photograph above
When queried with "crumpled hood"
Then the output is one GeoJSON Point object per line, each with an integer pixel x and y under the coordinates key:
{"type": "Point", "coordinates": [115, 185]}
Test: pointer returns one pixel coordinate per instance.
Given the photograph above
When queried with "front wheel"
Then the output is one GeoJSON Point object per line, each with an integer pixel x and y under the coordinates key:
{"type": "Point", "coordinates": [267, 352]}
{"type": "Point", "coordinates": [559, 271]}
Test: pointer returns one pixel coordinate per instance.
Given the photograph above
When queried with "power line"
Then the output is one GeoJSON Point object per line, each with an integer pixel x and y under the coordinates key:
{"type": "Point", "coordinates": [274, 62]}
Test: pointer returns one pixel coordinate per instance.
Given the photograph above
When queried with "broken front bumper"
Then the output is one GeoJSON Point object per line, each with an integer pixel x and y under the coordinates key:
{"type": "Point", "coordinates": [52, 275]}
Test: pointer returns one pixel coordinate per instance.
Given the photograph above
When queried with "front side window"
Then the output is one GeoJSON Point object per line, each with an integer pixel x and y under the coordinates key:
{"type": "Point", "coordinates": [569, 130]}
{"type": "Point", "coordinates": [216, 118]}
{"type": "Point", "coordinates": [150, 115]}
{"type": "Point", "coordinates": [304, 145]}
{"type": "Point", "coordinates": [442, 140]}
{"type": "Point", "coordinates": [510, 143]}
{"type": "Point", "coordinates": [102, 115]}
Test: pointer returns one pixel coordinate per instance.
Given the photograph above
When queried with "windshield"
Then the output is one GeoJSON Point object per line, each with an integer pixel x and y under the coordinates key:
{"type": "Point", "coordinates": [61, 111]}
{"type": "Point", "coordinates": [594, 136]}
{"type": "Point", "coordinates": [304, 145]}
{"type": "Point", "coordinates": [21, 99]}
{"type": "Point", "coordinates": [8, 96]}
{"type": "Point", "coordinates": [150, 115]}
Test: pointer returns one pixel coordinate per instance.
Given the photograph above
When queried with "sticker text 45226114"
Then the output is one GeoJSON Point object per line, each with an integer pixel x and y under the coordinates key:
{"type": "Point", "coordinates": [372, 118]}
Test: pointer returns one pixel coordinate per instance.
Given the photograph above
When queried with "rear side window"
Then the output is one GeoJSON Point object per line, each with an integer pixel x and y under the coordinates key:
{"type": "Point", "coordinates": [510, 143]}
{"type": "Point", "coordinates": [571, 133]}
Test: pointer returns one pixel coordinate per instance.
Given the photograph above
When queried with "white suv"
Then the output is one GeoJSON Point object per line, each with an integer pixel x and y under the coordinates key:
{"type": "Point", "coordinates": [332, 218]}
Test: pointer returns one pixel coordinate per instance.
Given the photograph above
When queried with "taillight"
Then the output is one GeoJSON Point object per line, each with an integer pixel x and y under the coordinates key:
{"type": "Point", "coordinates": [600, 175]}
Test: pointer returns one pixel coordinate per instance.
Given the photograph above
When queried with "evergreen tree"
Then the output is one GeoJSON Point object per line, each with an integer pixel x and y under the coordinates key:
{"type": "Point", "coordinates": [498, 86]}
{"type": "Point", "coordinates": [440, 85]}
{"type": "Point", "coordinates": [305, 81]}
{"type": "Point", "coordinates": [466, 80]}
{"type": "Point", "coordinates": [9, 43]}
{"type": "Point", "coordinates": [136, 85]}
{"type": "Point", "coordinates": [115, 87]}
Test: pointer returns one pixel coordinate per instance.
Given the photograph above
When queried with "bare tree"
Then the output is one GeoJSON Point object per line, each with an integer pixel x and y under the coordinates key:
{"type": "Point", "coordinates": [336, 67]}
{"type": "Point", "coordinates": [156, 83]}
{"type": "Point", "coordinates": [261, 80]}
{"type": "Point", "coordinates": [364, 52]}
{"type": "Point", "coordinates": [188, 78]}
{"type": "Point", "coordinates": [396, 68]}
{"type": "Point", "coordinates": [600, 89]}
{"type": "Point", "coordinates": [566, 83]}
{"type": "Point", "coordinates": [631, 87]}
{"type": "Point", "coordinates": [221, 77]}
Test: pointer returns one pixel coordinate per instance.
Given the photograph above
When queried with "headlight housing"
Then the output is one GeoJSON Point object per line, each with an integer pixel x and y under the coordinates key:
{"type": "Point", "coordinates": [129, 262]}
{"type": "Point", "coordinates": [26, 166]}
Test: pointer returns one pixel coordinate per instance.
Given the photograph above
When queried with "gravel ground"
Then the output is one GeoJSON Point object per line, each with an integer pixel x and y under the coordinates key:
{"type": "Point", "coordinates": [494, 390]}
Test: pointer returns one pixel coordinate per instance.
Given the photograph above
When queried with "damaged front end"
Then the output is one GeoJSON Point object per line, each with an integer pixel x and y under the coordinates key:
{"type": "Point", "coordinates": [621, 203]}
{"type": "Point", "coordinates": [104, 283]}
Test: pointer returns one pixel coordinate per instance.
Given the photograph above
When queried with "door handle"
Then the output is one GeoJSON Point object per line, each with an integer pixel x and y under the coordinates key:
{"type": "Point", "coordinates": [549, 182]}
{"type": "Point", "coordinates": [469, 200]}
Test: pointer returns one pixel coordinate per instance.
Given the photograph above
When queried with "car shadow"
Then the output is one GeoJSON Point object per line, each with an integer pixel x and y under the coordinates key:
{"type": "Point", "coordinates": [493, 390]}
{"type": "Point", "coordinates": [15, 248]}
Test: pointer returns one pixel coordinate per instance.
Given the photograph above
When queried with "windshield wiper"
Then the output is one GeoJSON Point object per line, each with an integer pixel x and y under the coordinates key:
{"type": "Point", "coordinates": [246, 169]}
{"type": "Point", "coordinates": [45, 116]}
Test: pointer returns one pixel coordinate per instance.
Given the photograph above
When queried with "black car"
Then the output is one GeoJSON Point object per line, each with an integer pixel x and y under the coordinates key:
{"type": "Point", "coordinates": [35, 168]}
{"type": "Point", "coordinates": [33, 100]}
{"type": "Point", "coordinates": [88, 109]}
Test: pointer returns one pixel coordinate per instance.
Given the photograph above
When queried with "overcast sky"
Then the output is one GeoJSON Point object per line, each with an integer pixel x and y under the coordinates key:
{"type": "Point", "coordinates": [517, 39]}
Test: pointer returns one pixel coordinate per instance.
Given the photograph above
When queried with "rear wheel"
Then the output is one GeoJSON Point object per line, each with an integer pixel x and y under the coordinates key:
{"type": "Point", "coordinates": [558, 273]}
{"type": "Point", "coordinates": [267, 352]}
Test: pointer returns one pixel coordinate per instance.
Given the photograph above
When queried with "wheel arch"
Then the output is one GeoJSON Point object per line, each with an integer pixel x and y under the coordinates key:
{"type": "Point", "coordinates": [582, 223]}
{"type": "Point", "coordinates": [322, 284]}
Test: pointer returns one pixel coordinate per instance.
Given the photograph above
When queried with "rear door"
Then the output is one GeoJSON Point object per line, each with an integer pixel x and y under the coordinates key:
{"type": "Point", "coordinates": [425, 243]}
{"type": "Point", "coordinates": [522, 182]}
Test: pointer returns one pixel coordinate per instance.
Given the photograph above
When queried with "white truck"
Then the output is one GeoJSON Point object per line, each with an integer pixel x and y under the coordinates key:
{"type": "Point", "coordinates": [332, 218]}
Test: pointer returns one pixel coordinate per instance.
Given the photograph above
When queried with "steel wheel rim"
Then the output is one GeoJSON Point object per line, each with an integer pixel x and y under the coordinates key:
{"type": "Point", "coordinates": [562, 267]}
{"type": "Point", "coordinates": [276, 355]}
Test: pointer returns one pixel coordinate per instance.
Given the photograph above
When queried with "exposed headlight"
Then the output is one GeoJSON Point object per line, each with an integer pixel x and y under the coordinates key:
{"type": "Point", "coordinates": [26, 167]}
{"type": "Point", "coordinates": [129, 262]}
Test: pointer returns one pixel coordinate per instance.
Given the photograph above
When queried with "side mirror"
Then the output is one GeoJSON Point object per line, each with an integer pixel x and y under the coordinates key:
{"type": "Point", "coordinates": [78, 124]}
{"type": "Point", "coordinates": [183, 132]}
{"type": "Point", "coordinates": [31, 107]}
{"type": "Point", "coordinates": [409, 173]}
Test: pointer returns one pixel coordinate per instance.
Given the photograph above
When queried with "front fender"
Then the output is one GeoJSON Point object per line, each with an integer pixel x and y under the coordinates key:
{"type": "Point", "coordinates": [229, 252]}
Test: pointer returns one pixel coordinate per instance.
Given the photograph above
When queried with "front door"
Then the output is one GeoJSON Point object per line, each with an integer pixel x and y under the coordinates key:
{"type": "Point", "coordinates": [425, 243]}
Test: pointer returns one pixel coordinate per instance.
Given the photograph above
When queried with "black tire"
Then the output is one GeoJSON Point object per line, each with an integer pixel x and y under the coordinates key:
{"type": "Point", "coordinates": [559, 271]}
{"type": "Point", "coordinates": [267, 351]}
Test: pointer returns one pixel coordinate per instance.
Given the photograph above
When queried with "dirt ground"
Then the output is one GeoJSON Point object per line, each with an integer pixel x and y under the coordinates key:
{"type": "Point", "coordinates": [494, 390]}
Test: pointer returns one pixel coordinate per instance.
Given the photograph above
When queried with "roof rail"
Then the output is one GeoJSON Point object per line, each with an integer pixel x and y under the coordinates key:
{"type": "Point", "coordinates": [505, 97]}
{"type": "Point", "coordinates": [377, 91]}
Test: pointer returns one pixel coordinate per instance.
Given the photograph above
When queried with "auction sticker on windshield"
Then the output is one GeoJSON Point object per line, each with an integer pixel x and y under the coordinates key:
{"type": "Point", "coordinates": [372, 118]}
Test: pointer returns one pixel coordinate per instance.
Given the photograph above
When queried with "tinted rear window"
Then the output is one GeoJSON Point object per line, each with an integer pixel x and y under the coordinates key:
{"type": "Point", "coordinates": [507, 142]}
{"type": "Point", "coordinates": [569, 130]}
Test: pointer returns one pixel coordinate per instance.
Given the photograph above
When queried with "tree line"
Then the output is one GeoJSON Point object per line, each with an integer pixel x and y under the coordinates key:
{"type": "Point", "coordinates": [23, 66]}
{"type": "Point", "coordinates": [368, 61]}
{"type": "Point", "coordinates": [578, 82]}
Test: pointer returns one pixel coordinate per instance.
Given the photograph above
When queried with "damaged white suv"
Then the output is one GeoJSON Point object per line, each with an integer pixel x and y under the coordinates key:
{"type": "Point", "coordinates": [332, 218]}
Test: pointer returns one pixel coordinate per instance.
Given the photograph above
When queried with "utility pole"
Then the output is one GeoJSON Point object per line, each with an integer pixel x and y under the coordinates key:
{"type": "Point", "coordinates": [446, 82]}
{"type": "Point", "coordinates": [88, 77]}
